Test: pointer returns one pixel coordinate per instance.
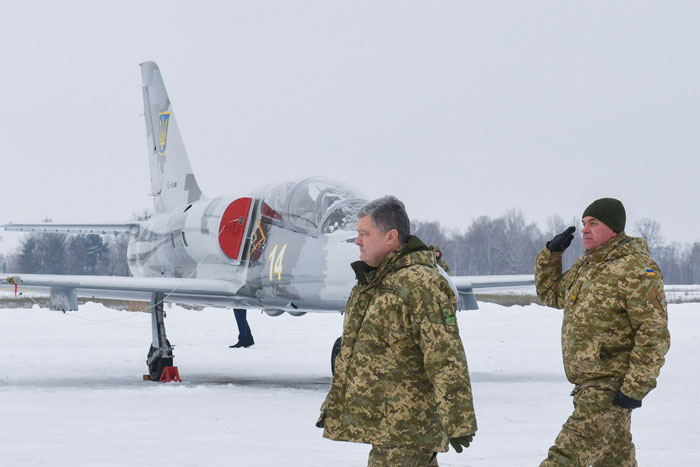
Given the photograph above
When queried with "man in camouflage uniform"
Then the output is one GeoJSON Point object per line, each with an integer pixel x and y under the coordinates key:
{"type": "Point", "coordinates": [401, 381]}
{"type": "Point", "coordinates": [614, 334]}
{"type": "Point", "coordinates": [439, 258]}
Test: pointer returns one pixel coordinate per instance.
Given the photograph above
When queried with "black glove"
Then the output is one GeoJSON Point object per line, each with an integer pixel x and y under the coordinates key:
{"type": "Point", "coordinates": [562, 241]}
{"type": "Point", "coordinates": [625, 402]}
{"type": "Point", "coordinates": [460, 441]}
{"type": "Point", "coordinates": [321, 422]}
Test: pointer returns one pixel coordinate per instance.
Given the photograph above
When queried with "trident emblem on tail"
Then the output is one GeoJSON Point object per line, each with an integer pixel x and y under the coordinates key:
{"type": "Point", "coordinates": [163, 121]}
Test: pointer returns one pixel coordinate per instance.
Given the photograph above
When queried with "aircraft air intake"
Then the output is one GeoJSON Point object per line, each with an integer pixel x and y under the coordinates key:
{"type": "Point", "coordinates": [206, 234]}
{"type": "Point", "coordinates": [232, 227]}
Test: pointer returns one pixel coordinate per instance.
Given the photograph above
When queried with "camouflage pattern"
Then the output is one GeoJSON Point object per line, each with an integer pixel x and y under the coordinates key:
{"type": "Point", "coordinates": [615, 328]}
{"type": "Point", "coordinates": [597, 433]}
{"type": "Point", "coordinates": [401, 376]}
{"type": "Point", "coordinates": [401, 456]}
{"type": "Point", "coordinates": [614, 337]}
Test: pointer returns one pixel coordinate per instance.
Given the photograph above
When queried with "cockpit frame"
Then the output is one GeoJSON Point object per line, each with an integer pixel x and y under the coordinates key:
{"type": "Point", "coordinates": [309, 205]}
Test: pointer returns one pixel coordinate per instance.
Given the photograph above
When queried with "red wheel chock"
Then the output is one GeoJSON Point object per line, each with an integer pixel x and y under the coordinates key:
{"type": "Point", "coordinates": [169, 374]}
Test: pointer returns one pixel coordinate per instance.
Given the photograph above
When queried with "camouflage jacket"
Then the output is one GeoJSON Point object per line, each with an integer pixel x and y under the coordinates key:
{"type": "Point", "coordinates": [615, 328]}
{"type": "Point", "coordinates": [401, 376]}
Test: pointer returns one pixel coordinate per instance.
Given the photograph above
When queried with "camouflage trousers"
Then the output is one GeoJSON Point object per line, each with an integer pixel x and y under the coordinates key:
{"type": "Point", "coordinates": [401, 456]}
{"type": "Point", "coordinates": [597, 433]}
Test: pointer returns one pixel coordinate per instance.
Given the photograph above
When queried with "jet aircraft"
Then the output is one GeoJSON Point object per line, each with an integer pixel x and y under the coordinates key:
{"type": "Point", "coordinates": [284, 248]}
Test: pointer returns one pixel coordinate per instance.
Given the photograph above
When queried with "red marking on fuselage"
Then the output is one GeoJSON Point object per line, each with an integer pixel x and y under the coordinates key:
{"type": "Point", "coordinates": [232, 227]}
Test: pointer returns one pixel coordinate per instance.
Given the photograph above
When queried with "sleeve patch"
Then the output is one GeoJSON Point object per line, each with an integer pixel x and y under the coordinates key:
{"type": "Point", "coordinates": [449, 315]}
{"type": "Point", "coordinates": [662, 301]}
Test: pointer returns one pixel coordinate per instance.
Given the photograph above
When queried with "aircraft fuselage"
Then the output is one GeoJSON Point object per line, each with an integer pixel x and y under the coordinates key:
{"type": "Point", "coordinates": [243, 241]}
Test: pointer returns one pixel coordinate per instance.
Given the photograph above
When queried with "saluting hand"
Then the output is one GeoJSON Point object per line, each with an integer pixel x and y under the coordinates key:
{"type": "Point", "coordinates": [562, 241]}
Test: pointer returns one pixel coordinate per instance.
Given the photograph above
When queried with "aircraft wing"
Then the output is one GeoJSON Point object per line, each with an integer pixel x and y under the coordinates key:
{"type": "Point", "coordinates": [50, 227]}
{"type": "Point", "coordinates": [64, 289]}
{"type": "Point", "coordinates": [498, 283]}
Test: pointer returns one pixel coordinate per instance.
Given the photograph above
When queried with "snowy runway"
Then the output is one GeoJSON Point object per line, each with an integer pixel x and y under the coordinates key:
{"type": "Point", "coordinates": [71, 390]}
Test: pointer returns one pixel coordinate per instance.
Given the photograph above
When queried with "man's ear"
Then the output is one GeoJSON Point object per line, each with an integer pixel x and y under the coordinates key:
{"type": "Point", "coordinates": [392, 235]}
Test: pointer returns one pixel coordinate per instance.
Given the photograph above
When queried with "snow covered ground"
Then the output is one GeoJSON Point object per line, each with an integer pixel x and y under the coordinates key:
{"type": "Point", "coordinates": [72, 394]}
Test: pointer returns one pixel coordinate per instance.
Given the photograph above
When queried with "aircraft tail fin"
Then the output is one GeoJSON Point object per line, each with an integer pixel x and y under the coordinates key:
{"type": "Point", "coordinates": [173, 183]}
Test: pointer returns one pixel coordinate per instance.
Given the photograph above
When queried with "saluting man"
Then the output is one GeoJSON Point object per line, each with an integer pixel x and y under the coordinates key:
{"type": "Point", "coordinates": [401, 381]}
{"type": "Point", "coordinates": [614, 334]}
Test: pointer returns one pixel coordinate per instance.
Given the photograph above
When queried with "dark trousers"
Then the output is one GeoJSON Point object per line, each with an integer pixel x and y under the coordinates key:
{"type": "Point", "coordinates": [245, 337]}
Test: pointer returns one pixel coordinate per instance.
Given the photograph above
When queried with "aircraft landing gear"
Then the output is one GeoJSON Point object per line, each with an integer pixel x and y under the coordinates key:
{"type": "Point", "coordinates": [334, 353]}
{"type": "Point", "coordinates": [160, 354]}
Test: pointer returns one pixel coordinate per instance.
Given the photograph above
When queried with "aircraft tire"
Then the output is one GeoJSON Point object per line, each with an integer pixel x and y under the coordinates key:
{"type": "Point", "coordinates": [334, 353]}
{"type": "Point", "coordinates": [156, 367]}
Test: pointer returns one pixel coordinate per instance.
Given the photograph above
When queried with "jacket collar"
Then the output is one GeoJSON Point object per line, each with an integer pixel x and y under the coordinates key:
{"type": "Point", "coordinates": [414, 251]}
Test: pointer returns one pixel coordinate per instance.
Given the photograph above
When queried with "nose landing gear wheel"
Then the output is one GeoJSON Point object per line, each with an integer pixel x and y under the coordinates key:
{"type": "Point", "coordinates": [158, 364]}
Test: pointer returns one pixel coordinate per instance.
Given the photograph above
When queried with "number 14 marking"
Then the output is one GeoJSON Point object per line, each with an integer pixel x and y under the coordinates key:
{"type": "Point", "coordinates": [275, 259]}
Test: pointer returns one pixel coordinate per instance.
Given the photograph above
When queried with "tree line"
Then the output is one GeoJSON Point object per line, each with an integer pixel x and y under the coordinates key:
{"type": "Point", "coordinates": [83, 254]}
{"type": "Point", "coordinates": [52, 253]}
{"type": "Point", "coordinates": [509, 244]}
{"type": "Point", "coordinates": [502, 245]}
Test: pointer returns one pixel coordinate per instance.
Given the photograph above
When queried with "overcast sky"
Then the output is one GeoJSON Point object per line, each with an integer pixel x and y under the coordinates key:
{"type": "Point", "coordinates": [460, 109]}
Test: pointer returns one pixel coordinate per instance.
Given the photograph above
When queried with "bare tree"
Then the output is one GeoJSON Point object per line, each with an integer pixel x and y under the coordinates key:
{"type": "Point", "coordinates": [431, 233]}
{"type": "Point", "coordinates": [649, 230]}
{"type": "Point", "coordinates": [670, 259]}
{"type": "Point", "coordinates": [522, 243]}
{"type": "Point", "coordinates": [693, 264]}
{"type": "Point", "coordinates": [485, 245]}
{"type": "Point", "coordinates": [555, 225]}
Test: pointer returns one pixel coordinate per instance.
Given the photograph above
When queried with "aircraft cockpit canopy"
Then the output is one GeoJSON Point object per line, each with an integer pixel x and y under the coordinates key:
{"type": "Point", "coordinates": [314, 206]}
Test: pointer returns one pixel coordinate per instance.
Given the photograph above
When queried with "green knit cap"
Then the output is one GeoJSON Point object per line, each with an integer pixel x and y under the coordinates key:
{"type": "Point", "coordinates": [609, 211]}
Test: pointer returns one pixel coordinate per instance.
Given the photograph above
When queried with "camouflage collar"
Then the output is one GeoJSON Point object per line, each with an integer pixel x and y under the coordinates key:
{"type": "Point", "coordinates": [363, 271]}
{"type": "Point", "coordinates": [599, 254]}
{"type": "Point", "coordinates": [414, 251]}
